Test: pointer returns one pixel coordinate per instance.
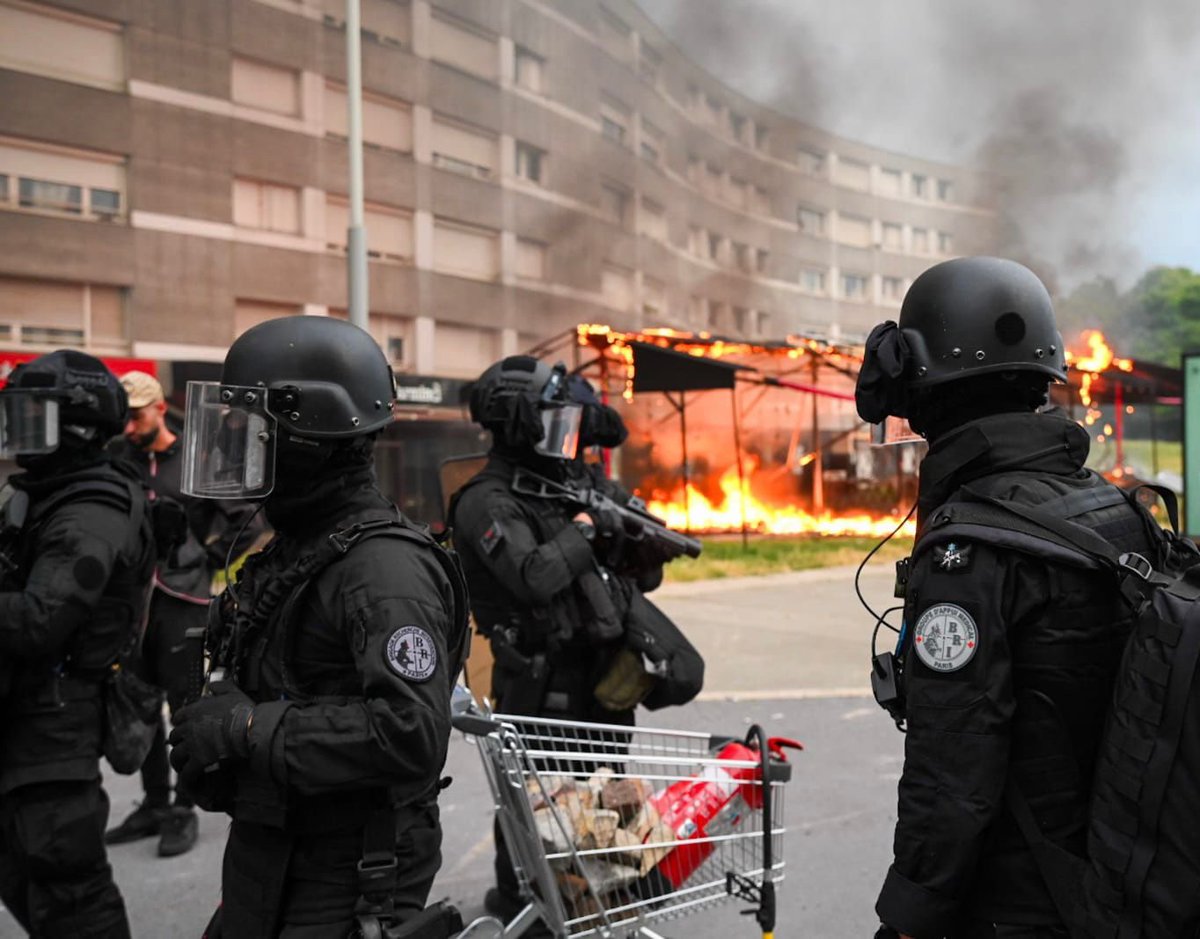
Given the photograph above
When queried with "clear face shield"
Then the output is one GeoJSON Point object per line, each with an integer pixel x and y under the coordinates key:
{"type": "Point", "coordinates": [560, 431]}
{"type": "Point", "coordinates": [28, 423]}
{"type": "Point", "coordinates": [228, 442]}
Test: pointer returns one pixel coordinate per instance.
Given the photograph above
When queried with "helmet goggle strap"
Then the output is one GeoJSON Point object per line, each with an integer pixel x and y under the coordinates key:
{"type": "Point", "coordinates": [228, 442]}
{"type": "Point", "coordinates": [29, 423]}
{"type": "Point", "coordinates": [560, 431]}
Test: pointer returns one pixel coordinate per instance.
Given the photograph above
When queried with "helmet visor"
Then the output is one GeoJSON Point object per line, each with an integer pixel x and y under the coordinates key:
{"type": "Point", "coordinates": [228, 442]}
{"type": "Point", "coordinates": [560, 431]}
{"type": "Point", "coordinates": [28, 423]}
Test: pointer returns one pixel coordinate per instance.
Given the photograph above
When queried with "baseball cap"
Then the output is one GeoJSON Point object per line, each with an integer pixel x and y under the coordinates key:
{"type": "Point", "coordinates": [142, 389]}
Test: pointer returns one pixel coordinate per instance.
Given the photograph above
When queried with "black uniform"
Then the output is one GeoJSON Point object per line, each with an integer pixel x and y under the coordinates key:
{"type": "Point", "coordinates": [539, 594]}
{"type": "Point", "coordinates": [1012, 655]}
{"type": "Point", "coordinates": [65, 615]}
{"type": "Point", "coordinates": [182, 591]}
{"type": "Point", "coordinates": [351, 668]}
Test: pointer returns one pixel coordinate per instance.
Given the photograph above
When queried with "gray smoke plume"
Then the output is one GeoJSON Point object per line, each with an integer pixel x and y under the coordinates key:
{"type": "Point", "coordinates": [1074, 112]}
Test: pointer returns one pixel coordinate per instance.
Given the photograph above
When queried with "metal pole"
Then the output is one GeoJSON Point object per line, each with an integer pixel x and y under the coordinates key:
{"type": "Point", "coordinates": [356, 234]}
{"type": "Point", "coordinates": [737, 447]}
{"type": "Point", "coordinates": [818, 481]}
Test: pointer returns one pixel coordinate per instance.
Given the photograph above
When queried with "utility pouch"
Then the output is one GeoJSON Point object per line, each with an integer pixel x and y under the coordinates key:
{"type": "Point", "coordinates": [626, 684]}
{"type": "Point", "coordinates": [440, 921]}
{"type": "Point", "coordinates": [132, 715]}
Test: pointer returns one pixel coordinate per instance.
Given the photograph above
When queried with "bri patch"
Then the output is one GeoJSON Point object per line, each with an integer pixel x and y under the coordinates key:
{"type": "Point", "coordinates": [953, 557]}
{"type": "Point", "coordinates": [491, 538]}
{"type": "Point", "coordinates": [945, 638]}
{"type": "Point", "coordinates": [411, 654]}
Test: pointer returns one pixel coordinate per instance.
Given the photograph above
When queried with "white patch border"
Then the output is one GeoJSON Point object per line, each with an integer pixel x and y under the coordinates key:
{"type": "Point", "coordinates": [405, 672]}
{"type": "Point", "coordinates": [944, 666]}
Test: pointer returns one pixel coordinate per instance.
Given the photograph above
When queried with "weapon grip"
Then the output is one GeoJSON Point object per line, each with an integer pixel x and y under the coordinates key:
{"type": "Point", "coordinates": [193, 638]}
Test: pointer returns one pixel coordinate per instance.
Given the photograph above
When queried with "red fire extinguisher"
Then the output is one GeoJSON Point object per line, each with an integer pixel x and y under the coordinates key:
{"type": "Point", "coordinates": [714, 802]}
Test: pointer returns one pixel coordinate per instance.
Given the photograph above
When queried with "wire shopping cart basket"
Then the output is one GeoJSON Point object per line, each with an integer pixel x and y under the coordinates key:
{"type": "Point", "coordinates": [614, 829]}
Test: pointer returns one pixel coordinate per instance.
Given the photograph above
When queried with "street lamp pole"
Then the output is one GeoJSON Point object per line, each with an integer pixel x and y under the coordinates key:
{"type": "Point", "coordinates": [356, 234]}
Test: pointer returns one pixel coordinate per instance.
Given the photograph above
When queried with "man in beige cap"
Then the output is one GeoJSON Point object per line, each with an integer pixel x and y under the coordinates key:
{"type": "Point", "coordinates": [188, 558]}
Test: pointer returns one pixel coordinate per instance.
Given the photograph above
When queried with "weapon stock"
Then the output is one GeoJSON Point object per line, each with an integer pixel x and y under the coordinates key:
{"type": "Point", "coordinates": [639, 523]}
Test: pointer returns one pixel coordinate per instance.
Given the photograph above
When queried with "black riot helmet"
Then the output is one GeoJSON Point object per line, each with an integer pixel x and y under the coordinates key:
{"type": "Point", "coordinates": [961, 319]}
{"type": "Point", "coordinates": [307, 377]}
{"type": "Point", "coordinates": [525, 404]}
{"type": "Point", "coordinates": [64, 391]}
{"type": "Point", "coordinates": [602, 425]}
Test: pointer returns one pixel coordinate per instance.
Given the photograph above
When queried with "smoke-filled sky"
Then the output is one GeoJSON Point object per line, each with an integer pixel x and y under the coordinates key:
{"type": "Point", "coordinates": [1091, 107]}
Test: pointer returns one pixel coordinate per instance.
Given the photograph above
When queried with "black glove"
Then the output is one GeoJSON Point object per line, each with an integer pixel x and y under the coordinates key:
{"type": "Point", "coordinates": [211, 733]}
{"type": "Point", "coordinates": [886, 932]}
{"type": "Point", "coordinates": [610, 535]}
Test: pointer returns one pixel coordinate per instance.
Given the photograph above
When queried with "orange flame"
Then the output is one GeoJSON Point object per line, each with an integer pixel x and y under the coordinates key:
{"type": "Point", "coordinates": [761, 518]}
{"type": "Point", "coordinates": [1100, 355]}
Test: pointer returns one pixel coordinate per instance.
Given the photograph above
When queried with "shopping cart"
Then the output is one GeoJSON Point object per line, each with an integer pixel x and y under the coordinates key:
{"type": "Point", "coordinates": [613, 829]}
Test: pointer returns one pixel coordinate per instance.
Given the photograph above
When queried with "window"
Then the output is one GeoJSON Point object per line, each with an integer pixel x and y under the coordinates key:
{"type": "Point", "coordinates": [697, 241]}
{"type": "Point", "coordinates": [854, 286]}
{"type": "Point", "coordinates": [713, 176]}
{"type": "Point", "coordinates": [893, 236]}
{"type": "Point", "coordinates": [266, 87]}
{"type": "Point", "coordinates": [266, 206]}
{"type": "Point", "coordinates": [920, 186]}
{"type": "Point", "coordinates": [614, 121]}
{"type": "Point", "coordinates": [464, 150]}
{"type": "Point", "coordinates": [62, 45]}
{"type": "Point", "coordinates": [893, 288]}
{"type": "Point", "coordinates": [760, 260]}
{"type": "Point", "coordinates": [654, 297]}
{"type": "Point", "coordinates": [530, 162]}
{"type": "Point", "coordinates": [741, 320]}
{"type": "Point", "coordinates": [737, 127]}
{"type": "Point", "coordinates": [760, 201]}
{"type": "Point", "coordinates": [889, 182]}
{"type": "Point", "coordinates": [854, 230]}
{"type": "Point", "coordinates": [55, 179]}
{"type": "Point", "coordinates": [811, 221]}
{"type": "Point", "coordinates": [383, 21]}
{"type": "Point", "coordinates": [654, 220]}
{"type": "Point", "coordinates": [697, 311]}
{"type": "Point", "coordinates": [614, 34]}
{"type": "Point", "coordinates": [387, 122]}
{"type": "Point", "coordinates": [463, 351]}
{"type": "Point", "coordinates": [712, 111]}
{"type": "Point", "coordinates": [945, 190]}
{"type": "Point", "coordinates": [464, 48]}
{"type": "Point", "coordinates": [652, 142]}
{"type": "Point", "coordinates": [811, 161]}
{"type": "Point", "coordinates": [530, 259]}
{"type": "Point", "coordinates": [389, 231]}
{"type": "Point", "coordinates": [743, 257]}
{"type": "Point", "coordinates": [58, 197]}
{"type": "Point", "coordinates": [465, 250]}
{"type": "Point", "coordinates": [761, 137]}
{"type": "Point", "coordinates": [527, 70]}
{"type": "Point", "coordinates": [613, 202]}
{"type": "Point", "coordinates": [763, 322]}
{"type": "Point", "coordinates": [920, 241]}
{"type": "Point", "coordinates": [812, 280]}
{"type": "Point", "coordinates": [50, 312]}
{"type": "Point", "coordinates": [715, 243]}
{"type": "Point", "coordinates": [945, 243]}
{"type": "Point", "coordinates": [739, 192]}
{"type": "Point", "coordinates": [616, 284]}
{"type": "Point", "coordinates": [853, 174]}
{"type": "Point", "coordinates": [649, 63]}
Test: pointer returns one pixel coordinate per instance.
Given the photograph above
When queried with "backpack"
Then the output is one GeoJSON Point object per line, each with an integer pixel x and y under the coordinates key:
{"type": "Point", "coordinates": [1143, 838]}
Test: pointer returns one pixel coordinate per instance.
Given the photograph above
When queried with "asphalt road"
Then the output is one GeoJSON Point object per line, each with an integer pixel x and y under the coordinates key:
{"type": "Point", "coordinates": [785, 651]}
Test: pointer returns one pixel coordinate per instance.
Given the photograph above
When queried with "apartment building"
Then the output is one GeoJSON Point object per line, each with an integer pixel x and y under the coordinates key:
{"type": "Point", "coordinates": [173, 172]}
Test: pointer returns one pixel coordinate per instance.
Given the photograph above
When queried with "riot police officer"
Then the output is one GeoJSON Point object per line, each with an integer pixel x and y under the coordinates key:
{"type": "Point", "coordinates": [78, 558]}
{"type": "Point", "coordinates": [196, 538]}
{"type": "Point", "coordinates": [1010, 645]}
{"type": "Point", "coordinates": [338, 644]}
{"type": "Point", "coordinates": [552, 586]}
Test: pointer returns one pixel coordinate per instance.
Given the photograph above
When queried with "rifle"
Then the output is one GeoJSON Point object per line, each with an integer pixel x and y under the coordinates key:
{"type": "Point", "coordinates": [638, 522]}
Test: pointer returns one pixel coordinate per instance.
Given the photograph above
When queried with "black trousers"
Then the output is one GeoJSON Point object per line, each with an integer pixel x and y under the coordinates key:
{"type": "Point", "coordinates": [54, 873]}
{"type": "Point", "coordinates": [305, 886]}
{"type": "Point", "coordinates": [164, 663]}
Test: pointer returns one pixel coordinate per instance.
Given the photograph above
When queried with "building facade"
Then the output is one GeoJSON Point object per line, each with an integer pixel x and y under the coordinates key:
{"type": "Point", "coordinates": [173, 172]}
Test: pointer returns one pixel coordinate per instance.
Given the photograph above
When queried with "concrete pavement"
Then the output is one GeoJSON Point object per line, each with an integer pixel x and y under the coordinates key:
{"type": "Point", "coordinates": [788, 651]}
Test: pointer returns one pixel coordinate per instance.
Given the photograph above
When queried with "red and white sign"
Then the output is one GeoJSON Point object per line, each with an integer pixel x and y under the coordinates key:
{"type": "Point", "coordinates": [118, 366]}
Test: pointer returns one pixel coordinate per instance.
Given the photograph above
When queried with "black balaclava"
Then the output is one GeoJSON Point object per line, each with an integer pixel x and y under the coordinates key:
{"type": "Point", "coordinates": [80, 447]}
{"type": "Point", "coordinates": [314, 478]}
{"type": "Point", "coordinates": [938, 409]}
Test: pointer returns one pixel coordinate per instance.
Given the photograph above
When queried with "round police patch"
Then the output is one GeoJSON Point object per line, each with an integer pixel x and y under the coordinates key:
{"type": "Point", "coordinates": [945, 637]}
{"type": "Point", "coordinates": [411, 654]}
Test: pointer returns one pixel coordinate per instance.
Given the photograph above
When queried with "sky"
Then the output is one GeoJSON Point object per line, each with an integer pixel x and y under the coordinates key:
{"type": "Point", "coordinates": [1090, 107]}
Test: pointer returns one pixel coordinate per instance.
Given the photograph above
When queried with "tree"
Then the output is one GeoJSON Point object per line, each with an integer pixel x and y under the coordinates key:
{"type": "Point", "coordinates": [1162, 314]}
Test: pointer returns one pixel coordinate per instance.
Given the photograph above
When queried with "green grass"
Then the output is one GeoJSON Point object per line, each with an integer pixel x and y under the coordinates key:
{"type": "Point", "coordinates": [724, 556]}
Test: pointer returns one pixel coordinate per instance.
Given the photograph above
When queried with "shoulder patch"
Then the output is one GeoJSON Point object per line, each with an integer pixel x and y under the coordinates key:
{"type": "Point", "coordinates": [411, 654]}
{"type": "Point", "coordinates": [953, 557]}
{"type": "Point", "coordinates": [945, 637]}
{"type": "Point", "coordinates": [490, 539]}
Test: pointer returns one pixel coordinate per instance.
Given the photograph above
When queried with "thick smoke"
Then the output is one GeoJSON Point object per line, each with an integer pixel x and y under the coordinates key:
{"type": "Point", "coordinates": [1074, 112]}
